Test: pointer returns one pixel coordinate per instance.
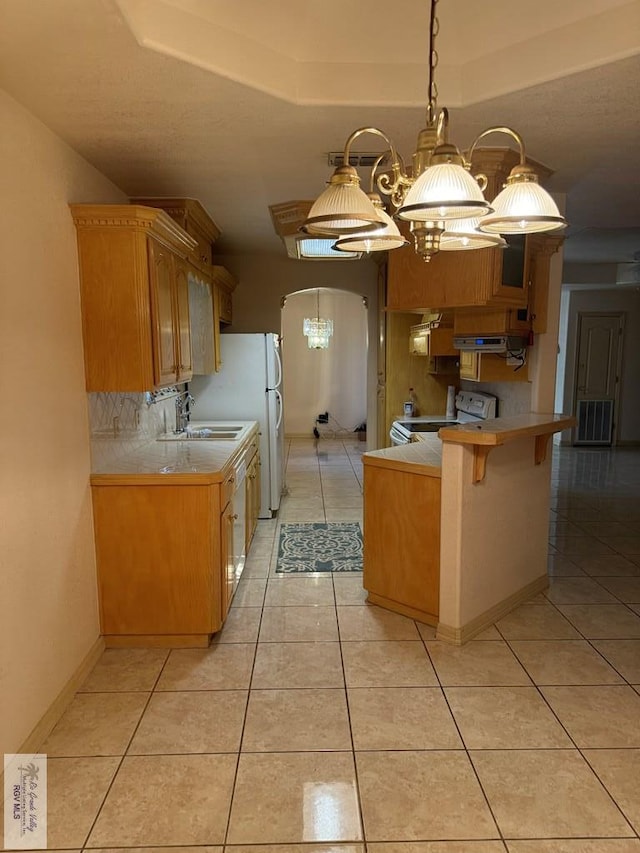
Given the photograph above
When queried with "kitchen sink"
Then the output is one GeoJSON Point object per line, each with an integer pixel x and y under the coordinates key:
{"type": "Point", "coordinates": [206, 432]}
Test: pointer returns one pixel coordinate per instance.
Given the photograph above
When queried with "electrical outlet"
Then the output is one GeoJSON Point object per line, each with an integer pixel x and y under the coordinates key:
{"type": "Point", "coordinates": [323, 418]}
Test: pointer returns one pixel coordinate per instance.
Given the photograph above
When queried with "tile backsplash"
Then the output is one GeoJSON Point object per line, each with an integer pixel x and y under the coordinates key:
{"type": "Point", "coordinates": [121, 423]}
{"type": "Point", "coordinates": [514, 398]}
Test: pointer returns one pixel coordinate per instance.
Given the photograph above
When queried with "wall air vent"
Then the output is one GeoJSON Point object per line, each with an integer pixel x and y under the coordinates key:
{"type": "Point", "coordinates": [595, 422]}
{"type": "Point", "coordinates": [365, 159]}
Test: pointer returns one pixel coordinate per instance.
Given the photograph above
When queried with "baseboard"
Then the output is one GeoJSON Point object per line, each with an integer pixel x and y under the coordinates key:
{"type": "Point", "coordinates": [403, 609]}
{"type": "Point", "coordinates": [54, 712]}
{"type": "Point", "coordinates": [157, 641]}
{"type": "Point", "coordinates": [459, 636]}
{"type": "Point", "coordinates": [630, 443]}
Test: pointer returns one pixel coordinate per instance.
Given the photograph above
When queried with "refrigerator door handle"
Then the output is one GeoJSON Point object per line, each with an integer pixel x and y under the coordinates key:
{"type": "Point", "coordinates": [279, 366]}
{"type": "Point", "coordinates": [280, 408]}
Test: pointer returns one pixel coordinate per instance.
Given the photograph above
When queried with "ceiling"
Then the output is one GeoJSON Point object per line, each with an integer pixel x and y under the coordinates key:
{"type": "Point", "coordinates": [238, 103]}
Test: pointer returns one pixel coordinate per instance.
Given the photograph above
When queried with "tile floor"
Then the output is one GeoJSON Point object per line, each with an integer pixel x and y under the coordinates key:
{"type": "Point", "coordinates": [318, 721]}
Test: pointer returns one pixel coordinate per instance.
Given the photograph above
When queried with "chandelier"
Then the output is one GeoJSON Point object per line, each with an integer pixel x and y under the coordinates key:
{"type": "Point", "coordinates": [316, 330]}
{"type": "Point", "coordinates": [439, 197]}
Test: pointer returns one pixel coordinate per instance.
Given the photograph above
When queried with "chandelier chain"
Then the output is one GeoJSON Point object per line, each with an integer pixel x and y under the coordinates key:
{"type": "Point", "coordinates": [434, 27]}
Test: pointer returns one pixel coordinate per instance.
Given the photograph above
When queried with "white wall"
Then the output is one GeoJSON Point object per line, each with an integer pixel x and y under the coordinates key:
{"type": "Point", "coordinates": [264, 280]}
{"type": "Point", "coordinates": [333, 379]}
{"type": "Point", "coordinates": [48, 602]}
{"type": "Point", "coordinates": [626, 300]}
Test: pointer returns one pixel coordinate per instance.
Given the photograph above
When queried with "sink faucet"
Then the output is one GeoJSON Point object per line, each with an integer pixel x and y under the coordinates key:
{"type": "Point", "coordinates": [183, 400]}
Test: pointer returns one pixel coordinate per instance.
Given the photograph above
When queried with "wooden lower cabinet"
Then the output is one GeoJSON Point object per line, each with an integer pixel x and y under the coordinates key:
{"type": "Point", "coordinates": [402, 539]}
{"type": "Point", "coordinates": [161, 559]}
{"type": "Point", "coordinates": [490, 367]}
{"type": "Point", "coordinates": [253, 496]}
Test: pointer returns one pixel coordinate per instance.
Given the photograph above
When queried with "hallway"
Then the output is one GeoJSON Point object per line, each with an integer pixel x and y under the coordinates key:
{"type": "Point", "coordinates": [317, 720]}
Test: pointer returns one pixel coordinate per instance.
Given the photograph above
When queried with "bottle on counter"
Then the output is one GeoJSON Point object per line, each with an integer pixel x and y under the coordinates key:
{"type": "Point", "coordinates": [411, 405]}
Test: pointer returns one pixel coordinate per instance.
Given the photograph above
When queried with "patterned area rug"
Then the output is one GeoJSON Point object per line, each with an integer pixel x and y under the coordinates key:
{"type": "Point", "coordinates": [320, 548]}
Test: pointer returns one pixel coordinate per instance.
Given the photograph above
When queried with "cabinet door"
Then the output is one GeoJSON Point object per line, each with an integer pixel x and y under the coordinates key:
{"type": "Point", "coordinates": [161, 275]}
{"type": "Point", "coordinates": [511, 282]}
{"type": "Point", "coordinates": [182, 325]}
{"type": "Point", "coordinates": [469, 365]}
{"type": "Point", "coordinates": [227, 520]}
{"type": "Point", "coordinates": [253, 497]}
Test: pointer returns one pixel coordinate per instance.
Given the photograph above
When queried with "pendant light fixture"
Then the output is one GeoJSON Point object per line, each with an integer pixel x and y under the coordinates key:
{"type": "Point", "coordinates": [316, 330]}
{"type": "Point", "coordinates": [438, 191]}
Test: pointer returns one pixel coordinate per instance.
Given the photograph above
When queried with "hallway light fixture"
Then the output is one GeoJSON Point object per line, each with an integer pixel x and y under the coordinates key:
{"type": "Point", "coordinates": [316, 330]}
{"type": "Point", "coordinates": [439, 190]}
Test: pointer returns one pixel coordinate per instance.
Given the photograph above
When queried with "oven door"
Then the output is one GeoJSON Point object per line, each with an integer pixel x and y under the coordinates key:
{"type": "Point", "coordinates": [397, 437]}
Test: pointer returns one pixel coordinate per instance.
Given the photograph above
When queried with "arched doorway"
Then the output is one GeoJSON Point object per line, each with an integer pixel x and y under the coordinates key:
{"type": "Point", "coordinates": [331, 380]}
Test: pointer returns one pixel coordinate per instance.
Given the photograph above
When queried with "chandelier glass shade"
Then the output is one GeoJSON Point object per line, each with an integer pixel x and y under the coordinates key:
{"type": "Point", "coordinates": [316, 330]}
{"type": "Point", "coordinates": [462, 234]}
{"type": "Point", "coordinates": [439, 190]}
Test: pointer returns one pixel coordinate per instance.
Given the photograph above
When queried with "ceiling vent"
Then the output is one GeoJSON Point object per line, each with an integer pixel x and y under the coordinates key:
{"type": "Point", "coordinates": [365, 159]}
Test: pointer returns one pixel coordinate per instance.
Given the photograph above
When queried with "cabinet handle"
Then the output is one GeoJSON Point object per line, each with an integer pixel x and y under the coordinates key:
{"type": "Point", "coordinates": [232, 479]}
{"type": "Point", "coordinates": [233, 517]}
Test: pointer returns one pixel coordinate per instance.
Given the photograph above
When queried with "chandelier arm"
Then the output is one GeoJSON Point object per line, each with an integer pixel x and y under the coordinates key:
{"type": "Point", "coordinates": [376, 132]}
{"type": "Point", "coordinates": [498, 129]}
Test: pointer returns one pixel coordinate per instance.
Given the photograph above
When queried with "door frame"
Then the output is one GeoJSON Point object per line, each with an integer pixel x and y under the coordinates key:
{"type": "Point", "coordinates": [621, 316]}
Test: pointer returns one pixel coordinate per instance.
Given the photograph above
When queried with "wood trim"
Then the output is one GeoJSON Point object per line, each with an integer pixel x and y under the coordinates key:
{"type": "Point", "coordinates": [480, 453]}
{"type": "Point", "coordinates": [157, 641]}
{"type": "Point", "coordinates": [222, 276]}
{"type": "Point", "coordinates": [56, 709]}
{"type": "Point", "coordinates": [403, 609]}
{"type": "Point", "coordinates": [153, 220]}
{"type": "Point", "coordinates": [459, 636]}
{"type": "Point", "coordinates": [540, 452]}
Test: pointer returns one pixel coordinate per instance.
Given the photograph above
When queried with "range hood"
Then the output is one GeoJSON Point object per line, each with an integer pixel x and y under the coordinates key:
{"type": "Point", "coordinates": [490, 343]}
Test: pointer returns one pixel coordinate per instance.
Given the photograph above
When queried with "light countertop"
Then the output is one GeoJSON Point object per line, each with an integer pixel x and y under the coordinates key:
{"type": "Point", "coordinates": [418, 457]}
{"type": "Point", "coordinates": [172, 462]}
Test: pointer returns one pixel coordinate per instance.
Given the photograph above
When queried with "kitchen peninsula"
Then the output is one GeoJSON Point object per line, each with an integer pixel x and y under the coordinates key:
{"type": "Point", "coordinates": [456, 528]}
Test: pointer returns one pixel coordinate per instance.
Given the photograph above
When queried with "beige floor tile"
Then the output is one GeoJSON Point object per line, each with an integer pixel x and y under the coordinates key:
{"type": "Point", "coordinates": [396, 718]}
{"type": "Point", "coordinates": [546, 794]}
{"type": "Point", "coordinates": [619, 772]}
{"type": "Point", "coordinates": [223, 666]}
{"type": "Point", "coordinates": [205, 849]}
{"type": "Point", "coordinates": [387, 664]}
{"type": "Point", "coordinates": [125, 670]}
{"type": "Point", "coordinates": [603, 621]}
{"type": "Point", "coordinates": [605, 528]}
{"type": "Point", "coordinates": [563, 662]}
{"type": "Point", "coordinates": [559, 566]}
{"type": "Point", "coordinates": [490, 633]}
{"type": "Point", "coordinates": [195, 721]}
{"type": "Point", "coordinates": [349, 590]}
{"type": "Point", "coordinates": [485, 664]}
{"type": "Point", "coordinates": [312, 624]}
{"type": "Point", "coordinates": [626, 589]}
{"type": "Point", "coordinates": [96, 724]}
{"type": "Point", "coordinates": [578, 591]}
{"type": "Point", "coordinates": [598, 717]}
{"type": "Point", "coordinates": [293, 797]}
{"type": "Point", "coordinates": [285, 591]}
{"type": "Point", "coordinates": [601, 845]}
{"type": "Point", "coordinates": [250, 593]}
{"type": "Point", "coordinates": [427, 632]}
{"type": "Point", "coordinates": [257, 569]}
{"type": "Point", "coordinates": [295, 848]}
{"type": "Point", "coordinates": [436, 847]}
{"type": "Point", "coordinates": [300, 516]}
{"type": "Point", "coordinates": [420, 796]}
{"type": "Point", "coordinates": [577, 545]}
{"type": "Point", "coordinates": [159, 800]}
{"type": "Point", "coordinates": [296, 721]}
{"type": "Point", "coordinates": [623, 544]}
{"type": "Point", "coordinates": [505, 718]}
{"type": "Point", "coordinates": [624, 655]}
{"type": "Point", "coordinates": [611, 564]}
{"type": "Point", "coordinates": [75, 790]}
{"type": "Point", "coordinates": [338, 515]}
{"type": "Point", "coordinates": [290, 665]}
{"type": "Point", "coordinates": [241, 626]}
{"type": "Point", "coordinates": [536, 623]}
{"type": "Point", "coordinates": [374, 623]}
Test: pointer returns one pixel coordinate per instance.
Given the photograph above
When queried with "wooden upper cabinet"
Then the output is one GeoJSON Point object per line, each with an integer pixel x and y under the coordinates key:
{"type": "Point", "coordinates": [134, 293]}
{"type": "Point", "coordinates": [194, 219]}
{"type": "Point", "coordinates": [458, 279]}
{"type": "Point", "coordinates": [224, 284]}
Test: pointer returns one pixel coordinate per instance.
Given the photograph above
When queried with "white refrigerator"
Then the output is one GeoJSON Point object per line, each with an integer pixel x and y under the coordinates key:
{"type": "Point", "coordinates": [249, 387]}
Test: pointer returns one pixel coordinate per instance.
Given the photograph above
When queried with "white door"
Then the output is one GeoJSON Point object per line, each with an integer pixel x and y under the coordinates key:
{"type": "Point", "coordinates": [597, 377]}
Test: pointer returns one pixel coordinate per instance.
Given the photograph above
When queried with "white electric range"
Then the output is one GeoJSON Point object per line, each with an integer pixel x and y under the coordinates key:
{"type": "Point", "coordinates": [470, 406]}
